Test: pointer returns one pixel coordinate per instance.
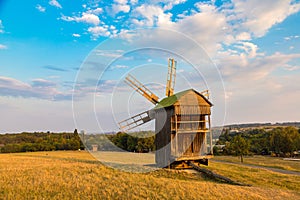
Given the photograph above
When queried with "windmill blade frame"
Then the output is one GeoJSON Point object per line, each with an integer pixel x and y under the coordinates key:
{"type": "Point", "coordinates": [135, 121]}
{"type": "Point", "coordinates": [140, 88]}
{"type": "Point", "coordinates": [171, 77]}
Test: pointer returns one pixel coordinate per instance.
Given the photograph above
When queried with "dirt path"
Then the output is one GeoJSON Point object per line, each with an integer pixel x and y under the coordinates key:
{"type": "Point", "coordinates": [260, 167]}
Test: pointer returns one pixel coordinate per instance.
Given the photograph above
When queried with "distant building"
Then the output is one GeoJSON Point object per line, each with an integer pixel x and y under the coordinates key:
{"type": "Point", "coordinates": [94, 147]}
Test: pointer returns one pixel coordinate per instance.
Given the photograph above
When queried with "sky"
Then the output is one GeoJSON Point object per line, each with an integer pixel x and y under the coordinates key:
{"type": "Point", "coordinates": [63, 63]}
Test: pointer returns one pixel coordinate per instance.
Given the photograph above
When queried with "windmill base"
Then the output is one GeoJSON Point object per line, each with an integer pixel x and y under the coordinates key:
{"type": "Point", "coordinates": [184, 164]}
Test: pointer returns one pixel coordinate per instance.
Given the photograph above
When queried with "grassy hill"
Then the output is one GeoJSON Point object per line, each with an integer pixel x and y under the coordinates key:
{"type": "Point", "coordinates": [77, 175]}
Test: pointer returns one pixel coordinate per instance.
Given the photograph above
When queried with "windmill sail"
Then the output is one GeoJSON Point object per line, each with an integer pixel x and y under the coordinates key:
{"type": "Point", "coordinates": [135, 121]}
{"type": "Point", "coordinates": [140, 88]}
{"type": "Point", "coordinates": [171, 77]}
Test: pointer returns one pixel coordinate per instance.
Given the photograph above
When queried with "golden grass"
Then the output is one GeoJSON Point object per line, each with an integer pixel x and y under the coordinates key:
{"type": "Point", "coordinates": [266, 161]}
{"type": "Point", "coordinates": [76, 175]}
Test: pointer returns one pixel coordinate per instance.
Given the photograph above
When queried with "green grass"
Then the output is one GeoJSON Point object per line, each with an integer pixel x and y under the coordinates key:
{"type": "Point", "coordinates": [265, 161]}
{"type": "Point", "coordinates": [257, 177]}
{"type": "Point", "coordinates": [77, 175]}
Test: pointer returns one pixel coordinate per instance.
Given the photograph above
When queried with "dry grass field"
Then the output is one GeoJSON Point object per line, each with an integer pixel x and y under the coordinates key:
{"type": "Point", "coordinates": [77, 175]}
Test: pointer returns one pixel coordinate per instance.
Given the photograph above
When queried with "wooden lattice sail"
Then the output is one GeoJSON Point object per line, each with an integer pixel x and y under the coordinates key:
{"type": "Point", "coordinates": [140, 88]}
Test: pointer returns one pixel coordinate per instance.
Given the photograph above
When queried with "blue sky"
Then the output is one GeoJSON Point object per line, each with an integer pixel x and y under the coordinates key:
{"type": "Point", "coordinates": [249, 58]}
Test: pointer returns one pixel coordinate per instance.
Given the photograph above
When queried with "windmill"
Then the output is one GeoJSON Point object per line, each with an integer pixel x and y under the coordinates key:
{"type": "Point", "coordinates": [182, 122]}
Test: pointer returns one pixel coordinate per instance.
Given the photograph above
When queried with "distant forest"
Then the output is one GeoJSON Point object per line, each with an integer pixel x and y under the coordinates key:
{"type": "Point", "coordinates": [260, 125]}
{"type": "Point", "coordinates": [39, 141]}
{"type": "Point", "coordinates": [142, 141]}
{"type": "Point", "coordinates": [278, 141]}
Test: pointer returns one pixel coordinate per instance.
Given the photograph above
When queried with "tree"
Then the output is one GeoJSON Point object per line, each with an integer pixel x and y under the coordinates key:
{"type": "Point", "coordinates": [120, 140]}
{"type": "Point", "coordinates": [240, 146]}
{"type": "Point", "coordinates": [284, 140]}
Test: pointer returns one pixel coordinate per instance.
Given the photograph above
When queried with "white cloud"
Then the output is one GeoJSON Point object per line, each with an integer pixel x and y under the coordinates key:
{"type": "Point", "coordinates": [39, 88]}
{"type": "Point", "coordinates": [238, 68]}
{"type": "Point", "coordinates": [247, 47]}
{"type": "Point", "coordinates": [96, 11]}
{"type": "Point", "coordinates": [76, 35]}
{"type": "Point", "coordinates": [85, 18]}
{"type": "Point", "coordinates": [40, 8]}
{"type": "Point", "coordinates": [116, 8]}
{"type": "Point", "coordinates": [121, 1]}
{"type": "Point", "coordinates": [291, 37]}
{"type": "Point", "coordinates": [97, 31]}
{"type": "Point", "coordinates": [88, 18]}
{"type": "Point", "coordinates": [166, 4]}
{"type": "Point", "coordinates": [2, 46]}
{"type": "Point", "coordinates": [151, 16]}
{"type": "Point", "coordinates": [12, 83]}
{"type": "Point", "coordinates": [243, 36]}
{"type": "Point", "coordinates": [1, 27]}
{"type": "Point", "coordinates": [291, 67]}
{"type": "Point", "coordinates": [170, 3]}
{"type": "Point", "coordinates": [119, 67]}
{"type": "Point", "coordinates": [41, 83]}
{"type": "Point", "coordinates": [206, 27]}
{"type": "Point", "coordinates": [287, 38]}
{"type": "Point", "coordinates": [120, 6]}
{"type": "Point", "coordinates": [109, 53]}
{"type": "Point", "coordinates": [259, 16]}
{"type": "Point", "coordinates": [55, 3]}
{"type": "Point", "coordinates": [256, 83]}
{"type": "Point", "coordinates": [133, 2]}
{"type": "Point", "coordinates": [204, 7]}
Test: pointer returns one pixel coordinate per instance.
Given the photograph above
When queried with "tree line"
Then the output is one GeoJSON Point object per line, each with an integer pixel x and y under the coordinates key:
{"type": "Point", "coordinates": [39, 141]}
{"type": "Point", "coordinates": [280, 141]}
{"type": "Point", "coordinates": [142, 141]}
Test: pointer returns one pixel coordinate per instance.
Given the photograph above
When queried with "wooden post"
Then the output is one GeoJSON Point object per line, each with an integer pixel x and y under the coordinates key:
{"type": "Point", "coordinates": [210, 133]}
{"type": "Point", "coordinates": [204, 138]}
{"type": "Point", "coordinates": [176, 137]}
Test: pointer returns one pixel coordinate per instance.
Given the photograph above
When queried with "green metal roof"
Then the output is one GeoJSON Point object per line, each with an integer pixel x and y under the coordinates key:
{"type": "Point", "coordinates": [169, 101]}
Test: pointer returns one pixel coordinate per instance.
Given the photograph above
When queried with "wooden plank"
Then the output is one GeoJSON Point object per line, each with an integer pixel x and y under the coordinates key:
{"type": "Point", "coordinates": [176, 134]}
{"type": "Point", "coordinates": [182, 131]}
{"type": "Point", "coordinates": [183, 122]}
{"type": "Point", "coordinates": [210, 135]}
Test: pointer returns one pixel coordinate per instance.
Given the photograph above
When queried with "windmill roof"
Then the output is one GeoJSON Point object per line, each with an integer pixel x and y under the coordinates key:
{"type": "Point", "coordinates": [169, 101]}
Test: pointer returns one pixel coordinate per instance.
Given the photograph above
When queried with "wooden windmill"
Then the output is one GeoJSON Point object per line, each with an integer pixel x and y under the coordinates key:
{"type": "Point", "coordinates": [182, 122]}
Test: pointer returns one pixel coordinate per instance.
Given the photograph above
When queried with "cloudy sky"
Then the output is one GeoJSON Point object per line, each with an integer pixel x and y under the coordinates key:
{"type": "Point", "coordinates": [62, 63]}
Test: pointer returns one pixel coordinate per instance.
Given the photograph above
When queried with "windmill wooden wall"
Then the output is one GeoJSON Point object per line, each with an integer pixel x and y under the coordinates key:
{"type": "Point", "coordinates": [182, 128]}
